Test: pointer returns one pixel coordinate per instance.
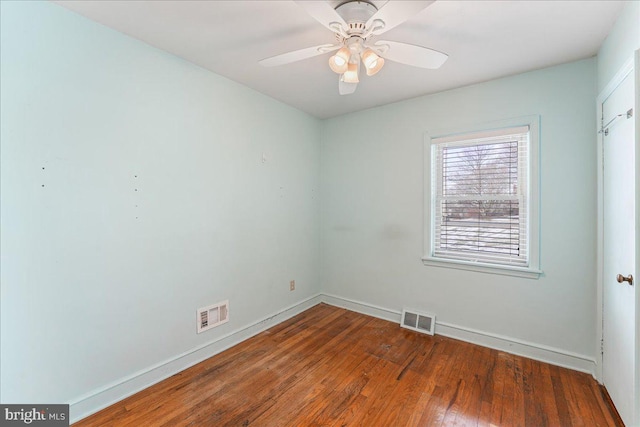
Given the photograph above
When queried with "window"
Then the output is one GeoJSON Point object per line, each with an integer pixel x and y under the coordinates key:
{"type": "Point", "coordinates": [482, 200]}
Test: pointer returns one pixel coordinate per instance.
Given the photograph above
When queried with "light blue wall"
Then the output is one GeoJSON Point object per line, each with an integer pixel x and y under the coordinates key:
{"type": "Point", "coordinates": [620, 44]}
{"type": "Point", "coordinates": [100, 281]}
{"type": "Point", "coordinates": [372, 210]}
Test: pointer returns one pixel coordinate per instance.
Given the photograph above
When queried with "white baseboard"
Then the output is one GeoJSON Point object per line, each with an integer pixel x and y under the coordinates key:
{"type": "Point", "coordinates": [511, 345]}
{"type": "Point", "coordinates": [543, 353]}
{"type": "Point", "coordinates": [105, 396]}
{"type": "Point", "coordinates": [362, 307]}
{"type": "Point", "coordinates": [108, 395]}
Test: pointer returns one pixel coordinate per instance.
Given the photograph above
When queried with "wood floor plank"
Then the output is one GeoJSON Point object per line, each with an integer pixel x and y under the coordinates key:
{"type": "Point", "coordinates": [507, 417]}
{"type": "Point", "coordinates": [403, 399]}
{"type": "Point", "coordinates": [447, 383]}
{"type": "Point", "coordinates": [497, 374]}
{"type": "Point", "coordinates": [606, 405]}
{"type": "Point", "coordinates": [333, 367]}
{"type": "Point", "coordinates": [487, 396]}
{"type": "Point", "coordinates": [545, 394]}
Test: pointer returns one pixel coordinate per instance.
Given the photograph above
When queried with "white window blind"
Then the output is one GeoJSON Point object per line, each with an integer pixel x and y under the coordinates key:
{"type": "Point", "coordinates": [481, 197]}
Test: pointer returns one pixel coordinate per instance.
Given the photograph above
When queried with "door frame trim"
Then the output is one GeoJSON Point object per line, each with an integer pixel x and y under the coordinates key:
{"type": "Point", "coordinates": [630, 66]}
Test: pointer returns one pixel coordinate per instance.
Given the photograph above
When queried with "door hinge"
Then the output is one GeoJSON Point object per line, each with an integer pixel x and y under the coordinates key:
{"type": "Point", "coordinates": [602, 346]}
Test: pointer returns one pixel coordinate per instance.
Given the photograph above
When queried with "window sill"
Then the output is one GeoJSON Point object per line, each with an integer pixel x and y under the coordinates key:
{"type": "Point", "coordinates": [505, 270]}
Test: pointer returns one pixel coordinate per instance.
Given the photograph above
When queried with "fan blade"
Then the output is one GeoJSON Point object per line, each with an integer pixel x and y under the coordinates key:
{"type": "Point", "coordinates": [395, 12]}
{"type": "Point", "coordinates": [322, 12]}
{"type": "Point", "coordinates": [345, 88]}
{"type": "Point", "coordinates": [298, 55]}
{"type": "Point", "coordinates": [411, 54]}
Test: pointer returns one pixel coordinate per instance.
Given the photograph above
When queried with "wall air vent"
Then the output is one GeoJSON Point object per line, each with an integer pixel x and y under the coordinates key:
{"type": "Point", "coordinates": [212, 316]}
{"type": "Point", "coordinates": [420, 322]}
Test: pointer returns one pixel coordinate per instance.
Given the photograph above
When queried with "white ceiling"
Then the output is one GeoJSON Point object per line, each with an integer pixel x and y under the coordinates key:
{"type": "Point", "coordinates": [484, 40]}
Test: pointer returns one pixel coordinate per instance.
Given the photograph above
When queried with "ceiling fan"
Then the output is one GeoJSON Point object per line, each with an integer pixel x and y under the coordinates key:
{"type": "Point", "coordinates": [354, 23]}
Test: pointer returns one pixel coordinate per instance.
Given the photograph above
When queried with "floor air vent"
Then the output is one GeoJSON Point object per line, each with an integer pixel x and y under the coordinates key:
{"type": "Point", "coordinates": [212, 316]}
{"type": "Point", "coordinates": [421, 322]}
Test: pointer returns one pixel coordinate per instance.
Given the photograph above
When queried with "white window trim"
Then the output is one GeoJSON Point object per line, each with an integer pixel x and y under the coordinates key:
{"type": "Point", "coordinates": [531, 271]}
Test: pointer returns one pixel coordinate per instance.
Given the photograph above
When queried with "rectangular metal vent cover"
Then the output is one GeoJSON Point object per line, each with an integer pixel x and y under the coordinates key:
{"type": "Point", "coordinates": [212, 316]}
{"type": "Point", "coordinates": [417, 321]}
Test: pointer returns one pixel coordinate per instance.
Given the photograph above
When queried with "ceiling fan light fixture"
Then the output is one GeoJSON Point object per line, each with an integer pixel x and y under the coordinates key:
{"type": "Point", "coordinates": [372, 62]}
{"type": "Point", "coordinates": [351, 75]}
{"type": "Point", "coordinates": [353, 22]}
{"type": "Point", "coordinates": [339, 63]}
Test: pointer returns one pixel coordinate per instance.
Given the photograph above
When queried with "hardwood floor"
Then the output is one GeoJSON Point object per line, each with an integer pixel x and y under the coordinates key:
{"type": "Point", "coordinates": [333, 367]}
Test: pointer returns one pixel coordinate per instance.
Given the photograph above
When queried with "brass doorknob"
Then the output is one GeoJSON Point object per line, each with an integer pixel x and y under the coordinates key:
{"type": "Point", "coordinates": [620, 278]}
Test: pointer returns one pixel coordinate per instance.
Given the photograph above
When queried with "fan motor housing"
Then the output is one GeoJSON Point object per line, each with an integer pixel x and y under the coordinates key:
{"type": "Point", "coordinates": [356, 12]}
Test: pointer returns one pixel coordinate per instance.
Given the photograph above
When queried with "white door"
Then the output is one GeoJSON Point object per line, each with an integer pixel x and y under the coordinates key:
{"type": "Point", "coordinates": [619, 329]}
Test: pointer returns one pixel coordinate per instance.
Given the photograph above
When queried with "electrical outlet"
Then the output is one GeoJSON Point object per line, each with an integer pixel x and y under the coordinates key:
{"type": "Point", "coordinates": [292, 285]}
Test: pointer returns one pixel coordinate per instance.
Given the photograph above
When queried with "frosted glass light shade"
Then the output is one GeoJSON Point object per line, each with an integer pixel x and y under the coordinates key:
{"type": "Point", "coordinates": [351, 75]}
{"type": "Point", "coordinates": [372, 62]}
{"type": "Point", "coordinates": [339, 63]}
